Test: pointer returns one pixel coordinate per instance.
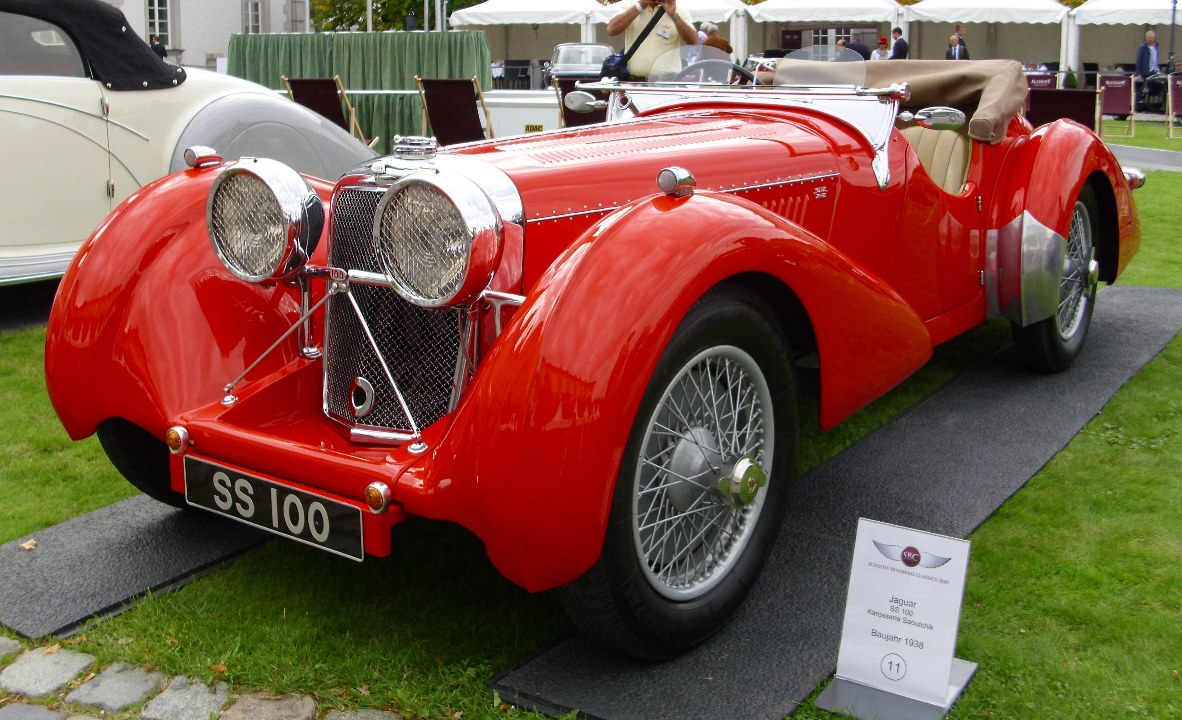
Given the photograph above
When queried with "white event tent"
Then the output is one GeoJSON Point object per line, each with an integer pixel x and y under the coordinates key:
{"type": "Point", "coordinates": [1124, 12]}
{"type": "Point", "coordinates": [1110, 31]}
{"type": "Point", "coordinates": [518, 12]}
{"type": "Point", "coordinates": [887, 11]}
{"type": "Point", "coordinates": [881, 13]}
{"type": "Point", "coordinates": [530, 30]}
{"type": "Point", "coordinates": [1032, 31]}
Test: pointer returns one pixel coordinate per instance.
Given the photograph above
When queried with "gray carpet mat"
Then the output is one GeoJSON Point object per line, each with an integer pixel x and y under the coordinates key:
{"type": "Point", "coordinates": [95, 564]}
{"type": "Point", "coordinates": [944, 466]}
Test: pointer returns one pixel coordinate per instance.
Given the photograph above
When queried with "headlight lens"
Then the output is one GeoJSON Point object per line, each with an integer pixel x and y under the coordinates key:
{"type": "Point", "coordinates": [438, 239]}
{"type": "Point", "coordinates": [264, 220]}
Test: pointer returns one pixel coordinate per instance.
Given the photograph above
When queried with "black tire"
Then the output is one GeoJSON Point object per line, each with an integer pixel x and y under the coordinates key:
{"type": "Point", "coordinates": [141, 458]}
{"type": "Point", "coordinates": [1051, 345]}
{"type": "Point", "coordinates": [653, 597]}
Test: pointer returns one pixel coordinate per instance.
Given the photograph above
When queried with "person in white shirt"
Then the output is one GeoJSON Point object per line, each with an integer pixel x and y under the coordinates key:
{"type": "Point", "coordinates": [882, 52]}
{"type": "Point", "coordinates": [673, 30]}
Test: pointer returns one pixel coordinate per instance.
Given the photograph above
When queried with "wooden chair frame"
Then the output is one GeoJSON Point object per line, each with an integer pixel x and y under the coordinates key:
{"type": "Point", "coordinates": [347, 118]}
{"type": "Point", "coordinates": [487, 127]}
{"type": "Point", "coordinates": [1101, 110]}
{"type": "Point", "coordinates": [1173, 104]}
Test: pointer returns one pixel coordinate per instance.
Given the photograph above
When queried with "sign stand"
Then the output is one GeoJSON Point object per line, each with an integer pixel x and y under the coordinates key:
{"type": "Point", "coordinates": [862, 701]}
{"type": "Point", "coordinates": [901, 618]}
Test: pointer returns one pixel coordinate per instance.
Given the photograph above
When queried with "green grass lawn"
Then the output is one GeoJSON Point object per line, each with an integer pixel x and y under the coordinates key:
{"type": "Point", "coordinates": [1145, 134]}
{"type": "Point", "coordinates": [1073, 604]}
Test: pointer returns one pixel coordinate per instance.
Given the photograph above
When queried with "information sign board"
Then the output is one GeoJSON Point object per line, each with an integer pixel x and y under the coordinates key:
{"type": "Point", "coordinates": [903, 611]}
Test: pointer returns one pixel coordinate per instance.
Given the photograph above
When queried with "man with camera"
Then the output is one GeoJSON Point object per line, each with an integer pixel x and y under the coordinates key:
{"type": "Point", "coordinates": [674, 29]}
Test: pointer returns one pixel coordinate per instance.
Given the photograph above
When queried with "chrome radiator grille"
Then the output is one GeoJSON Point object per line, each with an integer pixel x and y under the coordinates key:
{"type": "Point", "coordinates": [420, 347]}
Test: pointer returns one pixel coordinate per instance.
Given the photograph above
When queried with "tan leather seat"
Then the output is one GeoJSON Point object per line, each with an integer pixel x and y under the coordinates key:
{"type": "Point", "coordinates": [943, 153]}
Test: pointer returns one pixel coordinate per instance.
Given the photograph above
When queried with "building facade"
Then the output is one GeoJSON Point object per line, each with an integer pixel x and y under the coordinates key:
{"type": "Point", "coordinates": [197, 32]}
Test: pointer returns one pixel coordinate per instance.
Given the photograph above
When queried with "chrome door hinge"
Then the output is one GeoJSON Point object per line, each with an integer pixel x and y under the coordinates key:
{"type": "Point", "coordinates": [981, 274]}
{"type": "Point", "coordinates": [110, 188]}
{"type": "Point", "coordinates": [106, 107]}
{"type": "Point", "coordinates": [980, 204]}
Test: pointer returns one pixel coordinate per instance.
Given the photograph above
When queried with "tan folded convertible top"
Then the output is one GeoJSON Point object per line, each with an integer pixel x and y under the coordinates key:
{"type": "Point", "coordinates": [991, 92]}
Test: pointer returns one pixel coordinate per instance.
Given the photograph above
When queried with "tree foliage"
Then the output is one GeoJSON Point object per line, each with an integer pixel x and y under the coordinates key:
{"type": "Point", "coordinates": [330, 15]}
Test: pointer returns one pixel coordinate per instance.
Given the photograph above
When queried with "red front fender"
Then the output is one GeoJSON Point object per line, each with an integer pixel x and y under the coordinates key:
{"type": "Point", "coordinates": [147, 323]}
{"type": "Point", "coordinates": [530, 460]}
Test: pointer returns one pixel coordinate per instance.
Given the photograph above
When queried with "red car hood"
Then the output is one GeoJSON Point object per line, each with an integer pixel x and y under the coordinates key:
{"type": "Point", "coordinates": [602, 167]}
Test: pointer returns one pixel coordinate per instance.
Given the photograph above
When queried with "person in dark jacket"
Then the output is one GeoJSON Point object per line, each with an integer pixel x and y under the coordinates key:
{"type": "Point", "coordinates": [1148, 58]}
{"type": "Point", "coordinates": [859, 47]}
{"type": "Point", "coordinates": [964, 46]}
{"type": "Point", "coordinates": [900, 50]}
{"type": "Point", "coordinates": [955, 50]}
{"type": "Point", "coordinates": [158, 47]}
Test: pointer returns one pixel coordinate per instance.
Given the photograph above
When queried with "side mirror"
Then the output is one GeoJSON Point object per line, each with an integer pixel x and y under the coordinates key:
{"type": "Point", "coordinates": [581, 101]}
{"type": "Point", "coordinates": [936, 118]}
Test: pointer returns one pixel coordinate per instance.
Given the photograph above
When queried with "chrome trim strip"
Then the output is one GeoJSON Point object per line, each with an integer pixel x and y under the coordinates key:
{"type": "Point", "coordinates": [1023, 265]}
{"type": "Point", "coordinates": [364, 277]}
{"type": "Point", "coordinates": [63, 106]}
{"type": "Point", "coordinates": [383, 437]}
{"type": "Point", "coordinates": [607, 209]}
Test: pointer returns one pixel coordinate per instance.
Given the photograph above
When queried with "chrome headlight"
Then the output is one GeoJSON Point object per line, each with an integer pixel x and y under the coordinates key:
{"type": "Point", "coordinates": [438, 239]}
{"type": "Point", "coordinates": [264, 220]}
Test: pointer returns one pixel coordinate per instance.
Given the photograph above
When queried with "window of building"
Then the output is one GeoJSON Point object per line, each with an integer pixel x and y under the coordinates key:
{"type": "Point", "coordinates": [160, 21]}
{"type": "Point", "coordinates": [252, 17]}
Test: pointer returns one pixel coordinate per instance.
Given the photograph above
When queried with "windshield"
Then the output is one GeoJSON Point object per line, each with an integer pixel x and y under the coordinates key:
{"type": "Point", "coordinates": [819, 66]}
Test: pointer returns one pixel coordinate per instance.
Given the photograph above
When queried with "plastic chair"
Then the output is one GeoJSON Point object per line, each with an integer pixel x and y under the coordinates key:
{"type": "Point", "coordinates": [570, 118]}
{"type": "Point", "coordinates": [1117, 99]}
{"type": "Point", "coordinates": [1173, 103]}
{"type": "Point", "coordinates": [452, 107]}
{"type": "Point", "coordinates": [327, 96]}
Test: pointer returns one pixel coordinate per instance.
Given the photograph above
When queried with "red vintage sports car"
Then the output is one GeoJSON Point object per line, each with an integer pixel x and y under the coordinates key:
{"type": "Point", "coordinates": [581, 345]}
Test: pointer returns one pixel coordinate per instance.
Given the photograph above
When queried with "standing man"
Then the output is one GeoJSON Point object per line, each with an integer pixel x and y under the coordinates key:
{"type": "Point", "coordinates": [673, 30]}
{"type": "Point", "coordinates": [955, 50]}
{"type": "Point", "coordinates": [158, 47]}
{"type": "Point", "coordinates": [859, 47]}
{"type": "Point", "coordinates": [964, 47]}
{"type": "Point", "coordinates": [900, 50]}
{"type": "Point", "coordinates": [1147, 63]}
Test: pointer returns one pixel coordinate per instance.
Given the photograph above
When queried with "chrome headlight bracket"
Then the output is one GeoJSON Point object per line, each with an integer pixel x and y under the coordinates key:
{"type": "Point", "coordinates": [264, 220]}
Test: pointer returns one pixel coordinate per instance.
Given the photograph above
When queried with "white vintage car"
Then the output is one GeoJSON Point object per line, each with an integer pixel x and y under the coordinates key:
{"type": "Point", "coordinates": [89, 115]}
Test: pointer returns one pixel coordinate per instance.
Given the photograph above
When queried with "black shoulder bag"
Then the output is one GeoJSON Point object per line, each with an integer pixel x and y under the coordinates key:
{"type": "Point", "coordinates": [616, 64]}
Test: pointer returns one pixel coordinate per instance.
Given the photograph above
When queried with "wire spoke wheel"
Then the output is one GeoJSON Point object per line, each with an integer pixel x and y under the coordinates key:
{"type": "Point", "coordinates": [1052, 344]}
{"type": "Point", "coordinates": [1077, 284]}
{"type": "Point", "coordinates": [703, 483]}
{"type": "Point", "coordinates": [687, 531]}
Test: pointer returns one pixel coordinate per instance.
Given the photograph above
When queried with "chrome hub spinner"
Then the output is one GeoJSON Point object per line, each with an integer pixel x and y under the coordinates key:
{"type": "Point", "coordinates": [740, 486]}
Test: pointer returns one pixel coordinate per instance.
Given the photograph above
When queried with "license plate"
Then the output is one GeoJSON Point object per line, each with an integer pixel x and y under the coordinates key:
{"type": "Point", "coordinates": [312, 519]}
